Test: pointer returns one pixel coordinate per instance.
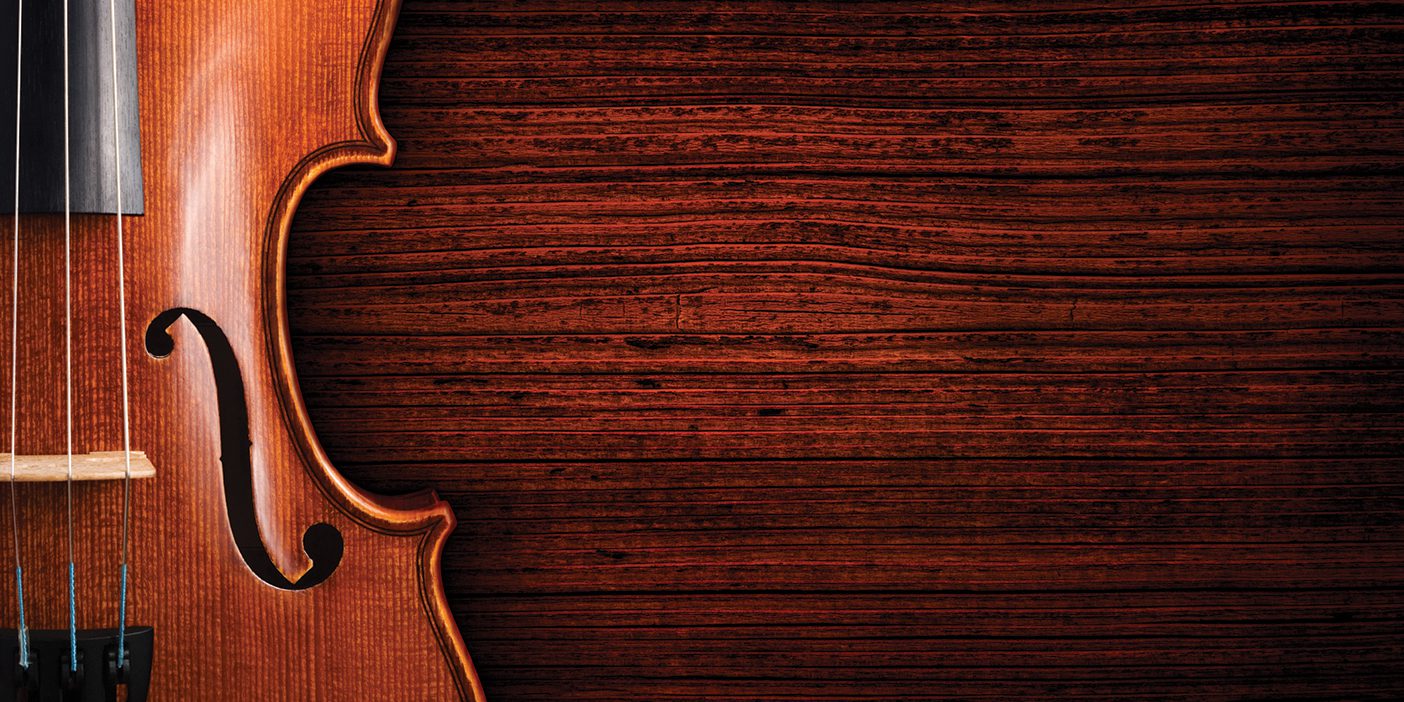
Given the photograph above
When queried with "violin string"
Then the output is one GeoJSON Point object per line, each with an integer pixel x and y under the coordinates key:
{"type": "Point", "coordinates": [122, 338]}
{"type": "Point", "coordinates": [68, 346]}
{"type": "Point", "coordinates": [14, 346]}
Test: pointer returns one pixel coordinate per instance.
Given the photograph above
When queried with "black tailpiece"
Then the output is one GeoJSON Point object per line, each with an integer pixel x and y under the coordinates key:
{"type": "Point", "coordinates": [50, 676]}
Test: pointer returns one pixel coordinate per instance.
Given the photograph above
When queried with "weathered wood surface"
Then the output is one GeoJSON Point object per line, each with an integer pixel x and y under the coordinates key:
{"type": "Point", "coordinates": [866, 350]}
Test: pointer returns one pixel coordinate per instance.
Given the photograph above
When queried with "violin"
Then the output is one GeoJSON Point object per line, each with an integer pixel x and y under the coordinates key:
{"type": "Point", "coordinates": [175, 530]}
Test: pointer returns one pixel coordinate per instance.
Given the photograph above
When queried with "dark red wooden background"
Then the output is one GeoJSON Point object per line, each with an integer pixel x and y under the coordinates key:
{"type": "Point", "coordinates": [885, 350]}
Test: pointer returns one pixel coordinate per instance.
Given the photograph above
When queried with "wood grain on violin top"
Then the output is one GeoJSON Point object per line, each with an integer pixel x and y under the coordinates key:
{"type": "Point", "coordinates": [885, 350]}
{"type": "Point", "coordinates": [264, 575]}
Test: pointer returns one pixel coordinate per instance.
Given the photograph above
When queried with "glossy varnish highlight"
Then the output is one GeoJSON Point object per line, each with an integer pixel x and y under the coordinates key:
{"type": "Point", "coordinates": [242, 104]}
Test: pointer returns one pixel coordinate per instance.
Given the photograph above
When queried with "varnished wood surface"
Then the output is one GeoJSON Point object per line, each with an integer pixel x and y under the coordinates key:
{"type": "Point", "coordinates": [883, 350]}
{"type": "Point", "coordinates": [242, 104]}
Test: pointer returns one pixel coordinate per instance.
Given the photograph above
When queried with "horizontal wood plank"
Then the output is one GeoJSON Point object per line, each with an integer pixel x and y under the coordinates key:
{"type": "Point", "coordinates": [884, 350]}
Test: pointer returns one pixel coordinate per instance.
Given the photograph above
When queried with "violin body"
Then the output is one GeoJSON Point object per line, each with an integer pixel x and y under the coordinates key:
{"type": "Point", "coordinates": [263, 574]}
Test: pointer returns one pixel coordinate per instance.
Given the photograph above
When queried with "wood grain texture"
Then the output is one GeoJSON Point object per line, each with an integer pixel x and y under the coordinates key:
{"type": "Point", "coordinates": [99, 465]}
{"type": "Point", "coordinates": [881, 350]}
{"type": "Point", "coordinates": [242, 105]}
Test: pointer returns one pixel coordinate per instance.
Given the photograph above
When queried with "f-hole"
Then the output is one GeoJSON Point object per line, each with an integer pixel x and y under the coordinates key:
{"type": "Point", "coordinates": [322, 542]}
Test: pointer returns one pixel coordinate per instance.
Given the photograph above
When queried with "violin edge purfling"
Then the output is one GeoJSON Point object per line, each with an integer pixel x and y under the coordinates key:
{"type": "Point", "coordinates": [423, 511]}
{"type": "Point", "coordinates": [263, 573]}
